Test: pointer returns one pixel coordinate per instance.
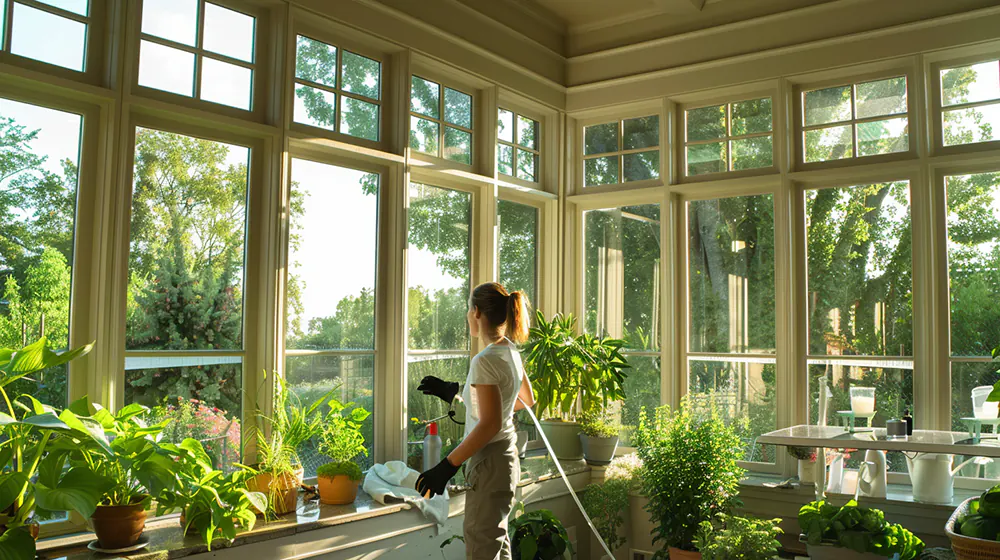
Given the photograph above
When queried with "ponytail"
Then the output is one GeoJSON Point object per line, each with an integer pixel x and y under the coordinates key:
{"type": "Point", "coordinates": [506, 312]}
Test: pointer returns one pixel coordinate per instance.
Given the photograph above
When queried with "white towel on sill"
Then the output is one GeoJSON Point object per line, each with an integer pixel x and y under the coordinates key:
{"type": "Point", "coordinates": [395, 480]}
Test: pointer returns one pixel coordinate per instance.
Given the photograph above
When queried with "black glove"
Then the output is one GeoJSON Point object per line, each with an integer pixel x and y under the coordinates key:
{"type": "Point", "coordinates": [444, 390]}
{"type": "Point", "coordinates": [436, 479]}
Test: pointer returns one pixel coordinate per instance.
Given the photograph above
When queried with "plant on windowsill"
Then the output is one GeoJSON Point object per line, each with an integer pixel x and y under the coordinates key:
{"type": "Point", "coordinates": [852, 531]}
{"type": "Point", "coordinates": [537, 535]}
{"type": "Point", "coordinates": [690, 472]}
{"type": "Point", "coordinates": [599, 435]}
{"type": "Point", "coordinates": [341, 441]}
{"type": "Point", "coordinates": [806, 459]}
{"type": "Point", "coordinates": [571, 372]}
{"type": "Point", "coordinates": [738, 538]}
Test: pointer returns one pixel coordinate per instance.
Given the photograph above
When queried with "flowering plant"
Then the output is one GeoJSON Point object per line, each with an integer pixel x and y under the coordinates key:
{"type": "Point", "coordinates": [193, 419]}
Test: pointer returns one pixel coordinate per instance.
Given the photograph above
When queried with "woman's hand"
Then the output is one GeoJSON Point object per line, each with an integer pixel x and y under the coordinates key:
{"type": "Point", "coordinates": [437, 387]}
{"type": "Point", "coordinates": [435, 480]}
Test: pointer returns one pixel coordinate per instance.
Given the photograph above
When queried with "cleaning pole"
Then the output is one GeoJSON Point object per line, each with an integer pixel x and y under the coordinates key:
{"type": "Point", "coordinates": [569, 486]}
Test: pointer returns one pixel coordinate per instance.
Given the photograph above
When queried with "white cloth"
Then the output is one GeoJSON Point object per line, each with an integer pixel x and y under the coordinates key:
{"type": "Point", "coordinates": [500, 365]}
{"type": "Point", "coordinates": [395, 480]}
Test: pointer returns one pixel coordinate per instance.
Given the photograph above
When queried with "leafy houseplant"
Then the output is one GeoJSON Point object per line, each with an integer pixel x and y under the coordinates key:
{"type": "Point", "coordinates": [341, 441]}
{"type": "Point", "coordinates": [538, 535]}
{"type": "Point", "coordinates": [568, 372]}
{"type": "Point", "coordinates": [856, 528]}
{"type": "Point", "coordinates": [690, 471]}
{"type": "Point", "coordinates": [599, 435]}
{"type": "Point", "coordinates": [606, 504]}
{"type": "Point", "coordinates": [738, 538]}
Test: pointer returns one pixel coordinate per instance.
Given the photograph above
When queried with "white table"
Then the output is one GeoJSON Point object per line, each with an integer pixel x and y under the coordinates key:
{"type": "Point", "coordinates": [923, 441]}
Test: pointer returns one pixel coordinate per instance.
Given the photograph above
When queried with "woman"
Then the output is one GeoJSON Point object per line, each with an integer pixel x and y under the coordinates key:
{"type": "Point", "coordinates": [495, 389]}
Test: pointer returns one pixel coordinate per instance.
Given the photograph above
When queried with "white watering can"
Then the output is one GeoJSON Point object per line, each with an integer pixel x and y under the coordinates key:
{"type": "Point", "coordinates": [872, 475]}
{"type": "Point", "coordinates": [933, 477]}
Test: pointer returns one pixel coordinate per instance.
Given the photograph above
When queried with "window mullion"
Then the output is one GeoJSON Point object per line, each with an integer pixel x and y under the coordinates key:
{"type": "Point", "coordinates": [8, 24]}
{"type": "Point", "coordinates": [200, 41]}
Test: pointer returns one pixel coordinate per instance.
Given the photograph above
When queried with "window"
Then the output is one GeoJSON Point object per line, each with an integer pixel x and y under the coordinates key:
{"type": "Point", "coordinates": [184, 324]}
{"type": "Point", "coordinates": [728, 137]}
{"type": "Point", "coordinates": [38, 193]}
{"type": "Point", "coordinates": [622, 151]}
{"type": "Point", "coordinates": [970, 97]}
{"type": "Point", "coordinates": [858, 120]}
{"type": "Point", "coordinates": [517, 255]}
{"type": "Point", "coordinates": [440, 123]}
{"type": "Point", "coordinates": [320, 79]}
{"type": "Point", "coordinates": [50, 31]}
{"type": "Point", "coordinates": [517, 146]}
{"type": "Point", "coordinates": [860, 294]}
{"type": "Point", "coordinates": [438, 279]}
{"type": "Point", "coordinates": [330, 328]}
{"type": "Point", "coordinates": [731, 296]}
{"type": "Point", "coordinates": [198, 49]}
{"type": "Point", "coordinates": [622, 293]}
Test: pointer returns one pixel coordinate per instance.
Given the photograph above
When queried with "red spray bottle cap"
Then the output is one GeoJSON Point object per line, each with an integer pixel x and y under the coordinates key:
{"type": "Point", "coordinates": [432, 429]}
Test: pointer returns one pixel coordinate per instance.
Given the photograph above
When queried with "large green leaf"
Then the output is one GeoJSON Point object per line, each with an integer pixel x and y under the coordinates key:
{"type": "Point", "coordinates": [17, 544]}
{"type": "Point", "coordinates": [34, 358]}
{"type": "Point", "coordinates": [79, 490]}
{"type": "Point", "coordinates": [528, 547]}
{"type": "Point", "coordinates": [257, 499]}
{"type": "Point", "coordinates": [87, 427]}
{"type": "Point", "coordinates": [11, 486]}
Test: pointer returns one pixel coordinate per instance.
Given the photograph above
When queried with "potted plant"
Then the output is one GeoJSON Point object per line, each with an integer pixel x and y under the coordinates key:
{"type": "Point", "coordinates": [569, 372]}
{"type": "Point", "coordinates": [538, 535]}
{"type": "Point", "coordinates": [607, 503]}
{"type": "Point", "coordinates": [628, 469]}
{"type": "Point", "coordinates": [851, 532]}
{"type": "Point", "coordinates": [341, 441]}
{"type": "Point", "coordinates": [599, 436]}
{"type": "Point", "coordinates": [806, 458]}
{"type": "Point", "coordinates": [738, 538]}
{"type": "Point", "coordinates": [690, 472]}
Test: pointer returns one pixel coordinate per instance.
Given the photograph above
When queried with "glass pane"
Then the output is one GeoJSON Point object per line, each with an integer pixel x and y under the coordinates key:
{"type": "Point", "coordinates": [884, 97]}
{"type": "Point", "coordinates": [731, 274]}
{"type": "Point", "coordinates": [40, 162]}
{"type": "Point", "coordinates": [226, 83]}
{"type": "Point", "coordinates": [517, 254]}
{"type": "Point", "coordinates": [175, 20]}
{"type": "Point", "coordinates": [828, 105]}
{"type": "Point", "coordinates": [642, 387]}
{"type": "Point", "coordinates": [600, 171]}
{"type": "Point", "coordinates": [457, 145]}
{"type": "Point", "coordinates": [892, 380]}
{"type": "Point", "coordinates": [970, 84]}
{"type": "Point", "coordinates": [3, 22]}
{"type": "Point", "coordinates": [600, 139]}
{"type": "Point", "coordinates": [742, 390]}
{"type": "Point", "coordinates": [622, 274]}
{"type": "Point", "coordinates": [359, 118]}
{"type": "Point", "coordinates": [330, 306]}
{"type": "Point", "coordinates": [966, 376]}
{"type": "Point", "coordinates": [505, 159]}
{"type": "Point", "coordinates": [229, 33]}
{"type": "Point", "coordinates": [48, 38]}
{"type": "Point", "coordinates": [642, 166]}
{"type": "Point", "coordinates": [967, 126]}
{"type": "Point", "coordinates": [505, 125]}
{"type": "Point", "coordinates": [424, 135]}
{"type": "Point", "coordinates": [201, 395]}
{"type": "Point", "coordinates": [527, 166]}
{"type": "Point", "coordinates": [425, 97]}
{"type": "Point", "coordinates": [438, 268]}
{"type": "Point", "coordinates": [312, 377]}
{"type": "Point", "coordinates": [76, 6]}
{"type": "Point", "coordinates": [423, 408]}
{"type": "Point", "coordinates": [974, 262]}
{"type": "Point", "coordinates": [707, 123]}
{"type": "Point", "coordinates": [883, 137]}
{"type": "Point", "coordinates": [752, 153]}
{"type": "Point", "coordinates": [706, 158]}
{"type": "Point", "coordinates": [315, 107]}
{"type": "Point", "coordinates": [186, 256]}
{"type": "Point", "coordinates": [316, 61]}
{"type": "Point", "coordinates": [641, 133]}
{"type": "Point", "coordinates": [827, 144]}
{"type": "Point", "coordinates": [527, 132]}
{"type": "Point", "coordinates": [751, 117]}
{"type": "Point", "coordinates": [859, 261]}
{"type": "Point", "coordinates": [166, 69]}
{"type": "Point", "coordinates": [361, 75]}
{"type": "Point", "coordinates": [457, 108]}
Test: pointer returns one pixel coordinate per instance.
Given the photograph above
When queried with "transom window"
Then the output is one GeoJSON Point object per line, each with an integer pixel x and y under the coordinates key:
{"type": "Point", "coordinates": [517, 146]}
{"type": "Point", "coordinates": [50, 31]}
{"type": "Point", "coordinates": [855, 120]}
{"type": "Point", "coordinates": [621, 151]}
{"type": "Point", "coordinates": [728, 137]}
{"type": "Point", "coordinates": [198, 49]}
{"type": "Point", "coordinates": [440, 121]}
{"type": "Point", "coordinates": [970, 98]}
{"type": "Point", "coordinates": [322, 73]}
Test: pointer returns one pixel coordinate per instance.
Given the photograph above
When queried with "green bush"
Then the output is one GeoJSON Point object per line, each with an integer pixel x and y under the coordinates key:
{"type": "Point", "coordinates": [738, 538]}
{"type": "Point", "coordinates": [330, 470]}
{"type": "Point", "coordinates": [606, 505]}
{"type": "Point", "coordinates": [598, 422]}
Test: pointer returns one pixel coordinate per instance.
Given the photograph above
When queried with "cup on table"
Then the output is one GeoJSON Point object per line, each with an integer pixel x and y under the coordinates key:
{"type": "Point", "coordinates": [862, 400]}
{"type": "Point", "coordinates": [981, 408]}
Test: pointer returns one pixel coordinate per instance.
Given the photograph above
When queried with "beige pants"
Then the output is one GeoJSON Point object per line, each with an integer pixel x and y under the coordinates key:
{"type": "Point", "coordinates": [492, 475]}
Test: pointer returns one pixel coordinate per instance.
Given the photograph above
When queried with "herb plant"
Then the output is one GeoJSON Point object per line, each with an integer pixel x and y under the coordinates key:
{"type": "Point", "coordinates": [599, 422]}
{"type": "Point", "coordinates": [537, 535]}
{"type": "Point", "coordinates": [606, 504]}
{"type": "Point", "coordinates": [341, 439]}
{"type": "Point", "coordinates": [738, 538]}
{"type": "Point", "coordinates": [857, 528]}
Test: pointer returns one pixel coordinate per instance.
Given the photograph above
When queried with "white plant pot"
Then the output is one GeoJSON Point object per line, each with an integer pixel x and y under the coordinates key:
{"type": "Point", "coordinates": [597, 450]}
{"type": "Point", "coordinates": [640, 527]}
{"type": "Point", "coordinates": [807, 471]}
{"type": "Point", "coordinates": [564, 438]}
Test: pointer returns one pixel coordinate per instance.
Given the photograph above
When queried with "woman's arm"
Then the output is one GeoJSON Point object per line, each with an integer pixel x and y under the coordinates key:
{"type": "Point", "coordinates": [488, 398]}
{"type": "Point", "coordinates": [525, 395]}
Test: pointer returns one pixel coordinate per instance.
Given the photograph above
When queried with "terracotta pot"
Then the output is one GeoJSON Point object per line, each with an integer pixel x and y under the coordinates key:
{"type": "Point", "coordinates": [282, 491]}
{"type": "Point", "coordinates": [338, 490]}
{"type": "Point", "coordinates": [33, 527]}
{"type": "Point", "coordinates": [678, 554]}
{"type": "Point", "coordinates": [119, 526]}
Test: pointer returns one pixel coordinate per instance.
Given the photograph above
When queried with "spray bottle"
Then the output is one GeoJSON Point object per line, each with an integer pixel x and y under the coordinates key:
{"type": "Point", "coordinates": [432, 447]}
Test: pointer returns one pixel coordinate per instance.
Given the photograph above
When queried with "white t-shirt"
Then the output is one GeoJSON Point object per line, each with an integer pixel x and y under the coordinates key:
{"type": "Point", "coordinates": [498, 365]}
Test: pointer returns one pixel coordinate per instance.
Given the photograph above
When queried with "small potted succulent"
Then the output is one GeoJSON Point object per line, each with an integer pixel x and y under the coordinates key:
{"type": "Point", "coordinates": [599, 435]}
{"type": "Point", "coordinates": [746, 538]}
{"type": "Point", "coordinates": [342, 441]}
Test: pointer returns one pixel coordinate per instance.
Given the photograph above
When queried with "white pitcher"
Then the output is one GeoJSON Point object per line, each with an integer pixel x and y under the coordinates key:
{"type": "Point", "coordinates": [872, 475]}
{"type": "Point", "coordinates": [933, 477]}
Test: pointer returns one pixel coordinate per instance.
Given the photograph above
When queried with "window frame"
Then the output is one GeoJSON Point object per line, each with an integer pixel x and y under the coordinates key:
{"type": "Point", "coordinates": [621, 114]}
{"type": "Point", "coordinates": [516, 148]}
{"type": "Point", "coordinates": [446, 78]}
{"type": "Point", "coordinates": [938, 109]}
{"type": "Point", "coordinates": [682, 143]}
{"type": "Point", "coordinates": [94, 42]}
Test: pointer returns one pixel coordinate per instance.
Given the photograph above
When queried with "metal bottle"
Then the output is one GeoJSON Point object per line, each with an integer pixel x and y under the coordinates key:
{"type": "Point", "coordinates": [432, 447]}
